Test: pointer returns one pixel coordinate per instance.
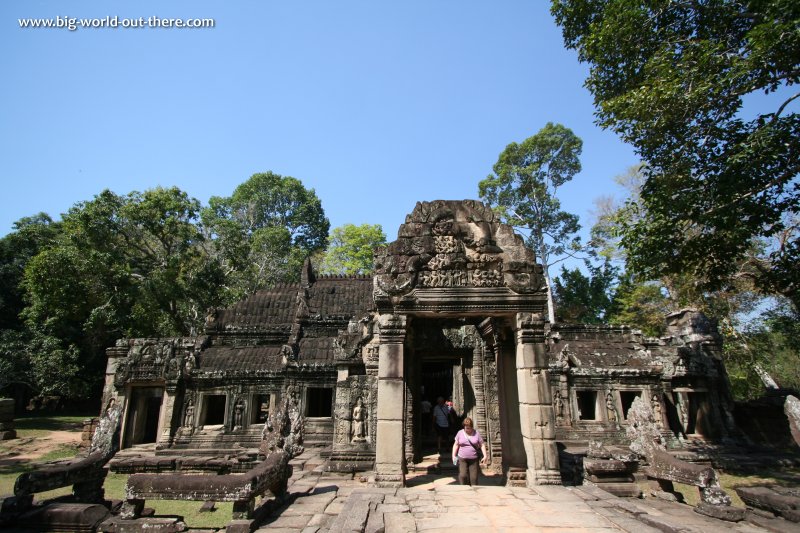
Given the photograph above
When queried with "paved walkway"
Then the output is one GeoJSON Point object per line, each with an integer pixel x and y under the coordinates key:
{"type": "Point", "coordinates": [324, 502]}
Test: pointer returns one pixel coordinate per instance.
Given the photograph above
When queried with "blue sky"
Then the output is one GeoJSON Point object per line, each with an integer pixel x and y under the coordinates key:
{"type": "Point", "coordinates": [375, 105]}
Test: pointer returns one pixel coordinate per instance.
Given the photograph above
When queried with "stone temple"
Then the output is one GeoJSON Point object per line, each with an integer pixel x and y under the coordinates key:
{"type": "Point", "coordinates": [456, 308]}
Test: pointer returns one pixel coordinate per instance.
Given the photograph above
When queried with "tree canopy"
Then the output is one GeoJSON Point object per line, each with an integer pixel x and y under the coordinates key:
{"type": "Point", "coordinates": [524, 187]}
{"type": "Point", "coordinates": [140, 265]}
{"type": "Point", "coordinates": [670, 77]}
{"type": "Point", "coordinates": [264, 231]}
{"type": "Point", "coordinates": [350, 249]}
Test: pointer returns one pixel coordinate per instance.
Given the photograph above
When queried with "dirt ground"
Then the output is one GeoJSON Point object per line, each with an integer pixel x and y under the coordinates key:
{"type": "Point", "coordinates": [28, 449]}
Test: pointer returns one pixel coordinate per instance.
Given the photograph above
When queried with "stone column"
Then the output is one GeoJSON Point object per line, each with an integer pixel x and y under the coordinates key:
{"type": "Point", "coordinates": [537, 419]}
{"type": "Point", "coordinates": [389, 452]}
{"type": "Point", "coordinates": [169, 420]}
{"type": "Point", "coordinates": [114, 354]}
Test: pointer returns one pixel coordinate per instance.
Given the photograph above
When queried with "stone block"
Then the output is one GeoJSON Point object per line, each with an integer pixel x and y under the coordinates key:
{"type": "Point", "coordinates": [390, 351]}
{"type": "Point", "coordinates": [536, 421]}
{"type": "Point", "coordinates": [606, 466]}
{"type": "Point", "coordinates": [399, 523]}
{"type": "Point", "coordinates": [534, 387]}
{"type": "Point", "coordinates": [525, 356]}
{"type": "Point", "coordinates": [391, 366]}
{"type": "Point", "coordinates": [389, 445]}
{"type": "Point", "coordinates": [239, 526]}
{"type": "Point", "coordinates": [390, 399]}
{"type": "Point", "coordinates": [721, 512]}
{"type": "Point", "coordinates": [767, 499]}
{"type": "Point", "coordinates": [64, 517]}
{"type": "Point", "coordinates": [623, 490]}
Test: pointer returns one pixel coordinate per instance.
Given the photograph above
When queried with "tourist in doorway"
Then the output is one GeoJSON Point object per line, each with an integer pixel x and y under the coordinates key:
{"type": "Point", "coordinates": [469, 451]}
{"type": "Point", "coordinates": [425, 408]}
{"type": "Point", "coordinates": [441, 423]}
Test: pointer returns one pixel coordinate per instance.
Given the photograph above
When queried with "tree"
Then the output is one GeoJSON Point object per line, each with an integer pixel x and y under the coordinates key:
{"type": "Point", "coordinates": [264, 231]}
{"type": "Point", "coordinates": [642, 305]}
{"type": "Point", "coordinates": [771, 343]}
{"type": "Point", "coordinates": [350, 249]}
{"type": "Point", "coordinates": [29, 236]}
{"type": "Point", "coordinates": [129, 265]}
{"type": "Point", "coordinates": [523, 190]}
{"type": "Point", "coordinates": [585, 299]}
{"type": "Point", "coordinates": [669, 77]}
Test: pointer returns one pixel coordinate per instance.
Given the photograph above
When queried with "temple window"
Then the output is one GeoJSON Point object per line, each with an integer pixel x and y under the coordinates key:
{"type": "Point", "coordinates": [587, 404]}
{"type": "Point", "coordinates": [319, 402]}
{"type": "Point", "coordinates": [213, 410]}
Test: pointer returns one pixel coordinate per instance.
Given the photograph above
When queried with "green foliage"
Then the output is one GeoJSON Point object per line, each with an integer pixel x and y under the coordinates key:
{"type": "Point", "coordinates": [30, 235]}
{"type": "Point", "coordinates": [771, 342]}
{"type": "Point", "coordinates": [140, 265]}
{"type": "Point", "coordinates": [129, 265]}
{"type": "Point", "coordinates": [264, 231]}
{"type": "Point", "coordinates": [350, 249]}
{"type": "Point", "coordinates": [640, 305]}
{"type": "Point", "coordinates": [524, 186]}
{"type": "Point", "coordinates": [669, 77]}
{"type": "Point", "coordinates": [585, 299]}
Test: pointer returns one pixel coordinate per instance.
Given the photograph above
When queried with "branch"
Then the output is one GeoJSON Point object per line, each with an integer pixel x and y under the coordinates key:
{"type": "Point", "coordinates": [783, 105]}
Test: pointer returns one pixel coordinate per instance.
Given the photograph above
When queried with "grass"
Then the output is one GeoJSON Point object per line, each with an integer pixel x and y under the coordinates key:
{"type": "Point", "coordinates": [33, 427]}
{"type": "Point", "coordinates": [190, 511]}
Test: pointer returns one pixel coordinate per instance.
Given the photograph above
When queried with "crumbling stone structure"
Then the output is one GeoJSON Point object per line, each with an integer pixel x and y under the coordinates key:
{"type": "Point", "coordinates": [86, 474]}
{"type": "Point", "coordinates": [281, 441]}
{"type": "Point", "coordinates": [456, 308]}
{"type": "Point", "coordinates": [646, 442]}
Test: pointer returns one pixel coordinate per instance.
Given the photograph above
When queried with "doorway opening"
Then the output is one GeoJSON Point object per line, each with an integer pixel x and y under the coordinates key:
{"type": "Point", "coordinates": [144, 412]}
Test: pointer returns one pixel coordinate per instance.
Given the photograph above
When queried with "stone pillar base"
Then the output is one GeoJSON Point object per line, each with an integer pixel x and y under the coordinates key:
{"type": "Point", "coordinates": [515, 477]}
{"type": "Point", "coordinates": [390, 480]}
{"type": "Point", "coordinates": [543, 477]}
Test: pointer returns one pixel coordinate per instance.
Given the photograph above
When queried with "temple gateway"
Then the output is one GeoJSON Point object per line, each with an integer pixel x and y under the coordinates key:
{"type": "Point", "coordinates": [456, 308]}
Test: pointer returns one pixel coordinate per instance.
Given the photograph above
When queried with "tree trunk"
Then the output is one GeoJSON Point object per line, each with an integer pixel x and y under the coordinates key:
{"type": "Point", "coordinates": [551, 306]}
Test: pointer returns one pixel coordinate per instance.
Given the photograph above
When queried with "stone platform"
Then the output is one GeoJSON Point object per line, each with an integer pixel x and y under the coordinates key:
{"type": "Point", "coordinates": [433, 502]}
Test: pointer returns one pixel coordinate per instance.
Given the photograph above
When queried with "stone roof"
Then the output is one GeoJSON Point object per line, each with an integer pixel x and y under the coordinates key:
{"type": "Point", "coordinates": [240, 359]}
{"type": "Point", "coordinates": [599, 346]}
{"type": "Point", "coordinates": [265, 308]}
{"type": "Point", "coordinates": [316, 350]}
{"type": "Point", "coordinates": [340, 296]}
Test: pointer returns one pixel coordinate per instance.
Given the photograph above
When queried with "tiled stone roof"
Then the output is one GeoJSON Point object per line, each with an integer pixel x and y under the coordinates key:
{"type": "Point", "coordinates": [316, 350]}
{"type": "Point", "coordinates": [270, 307]}
{"type": "Point", "coordinates": [240, 359]}
{"type": "Point", "coordinates": [340, 296]}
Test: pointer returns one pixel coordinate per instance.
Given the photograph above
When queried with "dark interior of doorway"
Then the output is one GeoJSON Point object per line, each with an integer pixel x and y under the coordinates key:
{"type": "Point", "coordinates": [151, 421]}
{"type": "Point", "coordinates": [436, 380]}
{"type": "Point", "coordinates": [143, 416]}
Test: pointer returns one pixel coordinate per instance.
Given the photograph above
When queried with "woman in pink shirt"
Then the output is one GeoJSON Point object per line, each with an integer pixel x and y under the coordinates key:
{"type": "Point", "coordinates": [465, 450]}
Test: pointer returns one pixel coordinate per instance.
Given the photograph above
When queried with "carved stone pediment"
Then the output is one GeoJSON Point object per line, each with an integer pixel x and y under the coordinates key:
{"type": "Point", "coordinates": [455, 244]}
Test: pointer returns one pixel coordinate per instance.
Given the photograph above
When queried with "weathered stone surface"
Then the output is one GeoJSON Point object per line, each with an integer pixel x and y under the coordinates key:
{"type": "Point", "coordinates": [64, 517]}
{"type": "Point", "coordinates": [282, 438]}
{"type": "Point", "coordinates": [86, 473]}
{"type": "Point", "coordinates": [792, 410]}
{"type": "Point", "coordinates": [728, 513]}
{"type": "Point", "coordinates": [646, 440]}
{"type": "Point", "coordinates": [623, 490]}
{"type": "Point", "coordinates": [606, 466]}
{"type": "Point", "coordinates": [768, 499]}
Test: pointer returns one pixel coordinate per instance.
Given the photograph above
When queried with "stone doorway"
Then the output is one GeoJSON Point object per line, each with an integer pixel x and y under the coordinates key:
{"type": "Point", "coordinates": [445, 360]}
{"type": "Point", "coordinates": [143, 417]}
